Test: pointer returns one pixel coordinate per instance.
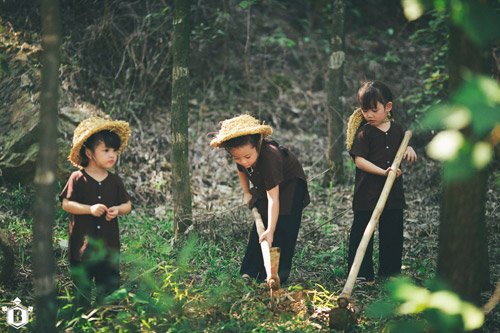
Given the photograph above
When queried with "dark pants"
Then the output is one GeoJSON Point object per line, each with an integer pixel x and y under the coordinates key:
{"type": "Point", "coordinates": [104, 272]}
{"type": "Point", "coordinates": [390, 243]}
{"type": "Point", "coordinates": [285, 237]}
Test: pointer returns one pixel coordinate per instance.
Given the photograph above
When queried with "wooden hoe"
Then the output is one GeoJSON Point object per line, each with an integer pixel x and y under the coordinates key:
{"type": "Point", "coordinates": [271, 256]}
{"type": "Point", "coordinates": [342, 317]}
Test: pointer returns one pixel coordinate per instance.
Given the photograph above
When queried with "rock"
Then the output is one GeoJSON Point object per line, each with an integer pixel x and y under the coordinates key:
{"type": "Point", "coordinates": [20, 122]}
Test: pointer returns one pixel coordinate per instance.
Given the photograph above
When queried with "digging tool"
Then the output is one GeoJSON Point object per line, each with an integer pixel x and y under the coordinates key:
{"type": "Point", "coordinates": [342, 317]}
{"type": "Point", "coordinates": [271, 256]}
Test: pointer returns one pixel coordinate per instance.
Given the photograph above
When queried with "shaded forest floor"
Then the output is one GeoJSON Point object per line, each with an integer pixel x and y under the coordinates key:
{"type": "Point", "coordinates": [193, 284]}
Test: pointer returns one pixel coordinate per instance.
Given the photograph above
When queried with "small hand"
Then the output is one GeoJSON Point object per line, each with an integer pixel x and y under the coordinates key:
{"type": "Point", "coordinates": [410, 155]}
{"type": "Point", "coordinates": [398, 172]}
{"type": "Point", "coordinates": [98, 209]}
{"type": "Point", "coordinates": [268, 236]}
{"type": "Point", "coordinates": [112, 213]}
{"type": "Point", "coordinates": [247, 197]}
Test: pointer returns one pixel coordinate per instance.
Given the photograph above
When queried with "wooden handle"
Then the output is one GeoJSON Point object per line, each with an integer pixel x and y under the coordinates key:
{"type": "Point", "coordinates": [370, 228]}
{"type": "Point", "coordinates": [271, 256]}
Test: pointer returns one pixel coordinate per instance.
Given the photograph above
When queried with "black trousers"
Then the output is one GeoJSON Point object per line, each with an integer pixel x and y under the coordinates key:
{"type": "Point", "coordinates": [285, 237]}
{"type": "Point", "coordinates": [104, 272]}
{"type": "Point", "coordinates": [390, 243]}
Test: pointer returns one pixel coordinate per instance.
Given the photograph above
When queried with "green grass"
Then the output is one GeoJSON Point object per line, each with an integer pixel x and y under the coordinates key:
{"type": "Point", "coordinates": [192, 284]}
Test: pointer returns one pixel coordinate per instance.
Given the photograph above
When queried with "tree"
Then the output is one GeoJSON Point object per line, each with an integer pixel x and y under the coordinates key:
{"type": "Point", "coordinates": [469, 118]}
{"type": "Point", "coordinates": [334, 90]}
{"type": "Point", "coordinates": [181, 190]}
{"type": "Point", "coordinates": [463, 251]}
{"type": "Point", "coordinates": [45, 176]}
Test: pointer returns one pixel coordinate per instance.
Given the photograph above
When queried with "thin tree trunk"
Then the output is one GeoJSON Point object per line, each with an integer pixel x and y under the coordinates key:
{"type": "Point", "coordinates": [44, 208]}
{"type": "Point", "coordinates": [463, 252]}
{"type": "Point", "coordinates": [334, 89]}
{"type": "Point", "coordinates": [181, 190]}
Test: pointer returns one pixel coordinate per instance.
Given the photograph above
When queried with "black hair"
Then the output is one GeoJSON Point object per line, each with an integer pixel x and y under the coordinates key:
{"type": "Point", "coordinates": [110, 139]}
{"type": "Point", "coordinates": [372, 92]}
{"type": "Point", "coordinates": [239, 141]}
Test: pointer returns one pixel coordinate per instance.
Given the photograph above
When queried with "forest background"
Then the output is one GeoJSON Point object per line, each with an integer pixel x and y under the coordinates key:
{"type": "Point", "coordinates": [268, 58]}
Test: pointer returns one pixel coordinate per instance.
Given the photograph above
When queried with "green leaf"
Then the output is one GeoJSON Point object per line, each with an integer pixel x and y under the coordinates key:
{"type": "Point", "coordinates": [473, 317]}
{"type": "Point", "coordinates": [478, 20]}
{"type": "Point", "coordinates": [380, 309]}
{"type": "Point", "coordinates": [413, 9]}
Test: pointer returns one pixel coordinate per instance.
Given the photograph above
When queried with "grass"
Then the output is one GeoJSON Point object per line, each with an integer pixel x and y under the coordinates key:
{"type": "Point", "coordinates": [193, 284]}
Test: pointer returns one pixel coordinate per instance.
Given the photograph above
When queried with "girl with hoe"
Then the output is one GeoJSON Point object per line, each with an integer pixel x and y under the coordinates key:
{"type": "Point", "coordinates": [279, 190]}
{"type": "Point", "coordinates": [95, 197]}
{"type": "Point", "coordinates": [373, 139]}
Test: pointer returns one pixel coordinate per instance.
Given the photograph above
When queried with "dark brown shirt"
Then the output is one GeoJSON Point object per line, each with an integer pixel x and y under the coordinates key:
{"type": "Point", "coordinates": [86, 190]}
{"type": "Point", "coordinates": [276, 165]}
{"type": "Point", "coordinates": [380, 148]}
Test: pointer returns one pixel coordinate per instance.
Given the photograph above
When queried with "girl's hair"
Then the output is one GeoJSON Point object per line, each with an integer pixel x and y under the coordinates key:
{"type": "Point", "coordinates": [110, 139]}
{"type": "Point", "coordinates": [372, 92]}
{"type": "Point", "coordinates": [253, 139]}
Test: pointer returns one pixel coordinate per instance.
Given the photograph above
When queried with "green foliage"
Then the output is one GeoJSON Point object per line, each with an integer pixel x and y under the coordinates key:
{"type": "Point", "coordinates": [424, 310]}
{"type": "Point", "coordinates": [478, 19]}
{"type": "Point", "coordinates": [475, 107]}
{"type": "Point", "coordinates": [434, 36]}
{"type": "Point", "coordinates": [279, 38]}
{"type": "Point", "coordinates": [247, 3]}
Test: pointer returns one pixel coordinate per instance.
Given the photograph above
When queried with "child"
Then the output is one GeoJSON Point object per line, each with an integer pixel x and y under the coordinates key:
{"type": "Point", "coordinates": [95, 197]}
{"type": "Point", "coordinates": [279, 193]}
{"type": "Point", "coordinates": [373, 139]}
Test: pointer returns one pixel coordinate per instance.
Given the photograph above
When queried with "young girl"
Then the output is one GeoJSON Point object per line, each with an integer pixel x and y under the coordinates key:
{"type": "Point", "coordinates": [279, 193]}
{"type": "Point", "coordinates": [95, 197]}
{"type": "Point", "coordinates": [373, 139]}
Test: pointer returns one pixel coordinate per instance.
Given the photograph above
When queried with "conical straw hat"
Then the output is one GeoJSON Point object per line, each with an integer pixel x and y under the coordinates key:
{"type": "Point", "coordinates": [239, 126]}
{"type": "Point", "coordinates": [91, 126]}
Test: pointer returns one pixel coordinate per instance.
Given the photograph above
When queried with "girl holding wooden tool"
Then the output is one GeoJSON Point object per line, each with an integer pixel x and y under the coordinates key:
{"type": "Point", "coordinates": [279, 193]}
{"type": "Point", "coordinates": [373, 138]}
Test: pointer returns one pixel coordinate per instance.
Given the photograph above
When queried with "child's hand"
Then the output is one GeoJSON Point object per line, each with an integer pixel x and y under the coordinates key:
{"type": "Point", "coordinates": [398, 172]}
{"type": "Point", "coordinates": [98, 209]}
{"type": "Point", "coordinates": [112, 213]}
{"type": "Point", "coordinates": [247, 197]}
{"type": "Point", "coordinates": [268, 236]}
{"type": "Point", "coordinates": [410, 155]}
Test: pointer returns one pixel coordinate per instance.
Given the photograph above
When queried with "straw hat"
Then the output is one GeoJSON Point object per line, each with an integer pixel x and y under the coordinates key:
{"type": "Point", "coordinates": [239, 126]}
{"type": "Point", "coordinates": [353, 124]}
{"type": "Point", "coordinates": [91, 126]}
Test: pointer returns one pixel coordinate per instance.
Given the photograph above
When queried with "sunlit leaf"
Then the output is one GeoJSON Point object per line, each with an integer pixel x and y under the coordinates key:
{"type": "Point", "coordinates": [472, 316]}
{"type": "Point", "coordinates": [482, 154]}
{"type": "Point", "coordinates": [445, 145]}
{"type": "Point", "coordinates": [413, 9]}
{"type": "Point", "coordinates": [445, 301]}
{"type": "Point", "coordinates": [458, 118]}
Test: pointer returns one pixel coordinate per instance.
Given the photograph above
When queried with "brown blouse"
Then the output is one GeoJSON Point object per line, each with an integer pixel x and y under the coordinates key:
{"type": "Point", "coordinates": [380, 148]}
{"type": "Point", "coordinates": [276, 165]}
{"type": "Point", "coordinates": [86, 190]}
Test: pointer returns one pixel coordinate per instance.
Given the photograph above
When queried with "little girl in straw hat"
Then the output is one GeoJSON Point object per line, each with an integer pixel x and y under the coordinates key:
{"type": "Point", "coordinates": [95, 197]}
{"type": "Point", "coordinates": [279, 193]}
{"type": "Point", "coordinates": [373, 139]}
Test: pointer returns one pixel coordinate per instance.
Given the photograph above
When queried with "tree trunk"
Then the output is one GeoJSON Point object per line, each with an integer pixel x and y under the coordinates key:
{"type": "Point", "coordinates": [44, 208]}
{"type": "Point", "coordinates": [7, 259]}
{"type": "Point", "coordinates": [181, 190]}
{"type": "Point", "coordinates": [463, 251]}
{"type": "Point", "coordinates": [334, 90]}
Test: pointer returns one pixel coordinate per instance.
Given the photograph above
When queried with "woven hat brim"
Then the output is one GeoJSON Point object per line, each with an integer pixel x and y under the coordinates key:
{"type": "Point", "coordinates": [121, 128]}
{"type": "Point", "coordinates": [265, 130]}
